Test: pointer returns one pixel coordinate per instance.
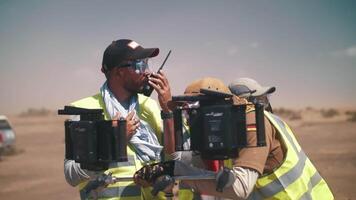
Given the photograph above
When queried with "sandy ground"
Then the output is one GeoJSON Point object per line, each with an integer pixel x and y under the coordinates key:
{"type": "Point", "coordinates": [36, 170]}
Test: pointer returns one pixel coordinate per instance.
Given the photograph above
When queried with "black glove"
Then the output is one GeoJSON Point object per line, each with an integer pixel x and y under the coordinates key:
{"type": "Point", "coordinates": [223, 179]}
{"type": "Point", "coordinates": [148, 174]}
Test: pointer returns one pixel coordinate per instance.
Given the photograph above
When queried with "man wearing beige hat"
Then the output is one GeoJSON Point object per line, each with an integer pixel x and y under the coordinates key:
{"type": "Point", "coordinates": [278, 170]}
{"type": "Point", "coordinates": [252, 91]}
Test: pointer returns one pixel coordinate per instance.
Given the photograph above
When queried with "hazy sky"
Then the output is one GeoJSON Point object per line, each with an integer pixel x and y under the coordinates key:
{"type": "Point", "coordinates": [51, 51]}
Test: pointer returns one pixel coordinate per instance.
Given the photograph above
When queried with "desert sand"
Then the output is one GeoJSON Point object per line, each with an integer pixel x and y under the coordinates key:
{"type": "Point", "coordinates": [35, 170]}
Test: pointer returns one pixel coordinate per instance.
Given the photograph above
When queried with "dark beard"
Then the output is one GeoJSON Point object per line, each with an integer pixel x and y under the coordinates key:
{"type": "Point", "coordinates": [135, 87]}
{"type": "Point", "coordinates": [133, 90]}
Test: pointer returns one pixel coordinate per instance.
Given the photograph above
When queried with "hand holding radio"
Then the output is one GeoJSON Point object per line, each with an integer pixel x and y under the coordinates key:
{"type": "Point", "coordinates": [160, 83]}
{"type": "Point", "coordinates": [147, 88]}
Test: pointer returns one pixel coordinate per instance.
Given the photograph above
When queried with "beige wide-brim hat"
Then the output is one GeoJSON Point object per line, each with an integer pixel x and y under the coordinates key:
{"type": "Point", "coordinates": [207, 83]}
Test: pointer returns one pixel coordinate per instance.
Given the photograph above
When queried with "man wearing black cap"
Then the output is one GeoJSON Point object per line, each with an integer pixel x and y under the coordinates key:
{"type": "Point", "coordinates": [126, 69]}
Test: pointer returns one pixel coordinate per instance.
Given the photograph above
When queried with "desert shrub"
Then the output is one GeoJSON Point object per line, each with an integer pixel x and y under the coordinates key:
{"type": "Point", "coordinates": [282, 111]}
{"type": "Point", "coordinates": [295, 116]}
{"type": "Point", "coordinates": [12, 150]}
{"type": "Point", "coordinates": [309, 108]}
{"type": "Point", "coordinates": [352, 116]}
{"type": "Point", "coordinates": [329, 113]}
{"type": "Point", "coordinates": [288, 113]}
{"type": "Point", "coordinates": [36, 112]}
{"type": "Point", "coordinates": [350, 112]}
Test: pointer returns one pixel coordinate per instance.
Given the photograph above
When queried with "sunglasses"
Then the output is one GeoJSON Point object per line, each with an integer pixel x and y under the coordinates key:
{"type": "Point", "coordinates": [139, 65]}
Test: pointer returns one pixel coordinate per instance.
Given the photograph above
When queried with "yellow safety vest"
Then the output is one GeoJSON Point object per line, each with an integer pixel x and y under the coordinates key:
{"type": "Point", "coordinates": [296, 178]}
{"type": "Point", "coordinates": [149, 112]}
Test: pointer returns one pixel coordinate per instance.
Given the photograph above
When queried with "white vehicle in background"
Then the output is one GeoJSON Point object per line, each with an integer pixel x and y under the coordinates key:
{"type": "Point", "coordinates": [7, 135]}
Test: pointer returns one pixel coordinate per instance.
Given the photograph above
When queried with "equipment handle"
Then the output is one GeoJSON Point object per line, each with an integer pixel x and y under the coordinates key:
{"type": "Point", "coordinates": [120, 142]}
{"type": "Point", "coordinates": [100, 181]}
{"type": "Point", "coordinates": [85, 114]}
{"type": "Point", "coordinates": [178, 129]}
{"type": "Point", "coordinates": [260, 124]}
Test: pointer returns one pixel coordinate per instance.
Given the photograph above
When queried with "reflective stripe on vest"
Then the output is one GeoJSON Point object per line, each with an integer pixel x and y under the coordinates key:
{"type": "Point", "coordinates": [130, 162]}
{"type": "Point", "coordinates": [314, 180]}
{"type": "Point", "coordinates": [298, 181]}
{"type": "Point", "coordinates": [293, 174]}
{"type": "Point", "coordinates": [128, 191]}
{"type": "Point", "coordinates": [112, 192]}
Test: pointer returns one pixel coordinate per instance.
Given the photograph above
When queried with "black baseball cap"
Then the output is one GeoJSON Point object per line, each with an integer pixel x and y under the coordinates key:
{"type": "Point", "coordinates": [123, 50]}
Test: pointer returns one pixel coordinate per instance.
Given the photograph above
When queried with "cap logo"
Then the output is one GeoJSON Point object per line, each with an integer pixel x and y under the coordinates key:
{"type": "Point", "coordinates": [133, 45]}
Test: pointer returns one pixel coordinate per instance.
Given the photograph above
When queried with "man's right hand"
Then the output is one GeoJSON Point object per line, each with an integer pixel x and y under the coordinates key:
{"type": "Point", "coordinates": [132, 123]}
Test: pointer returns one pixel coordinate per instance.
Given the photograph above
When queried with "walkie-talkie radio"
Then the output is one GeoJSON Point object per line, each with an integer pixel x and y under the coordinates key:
{"type": "Point", "coordinates": [147, 88]}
